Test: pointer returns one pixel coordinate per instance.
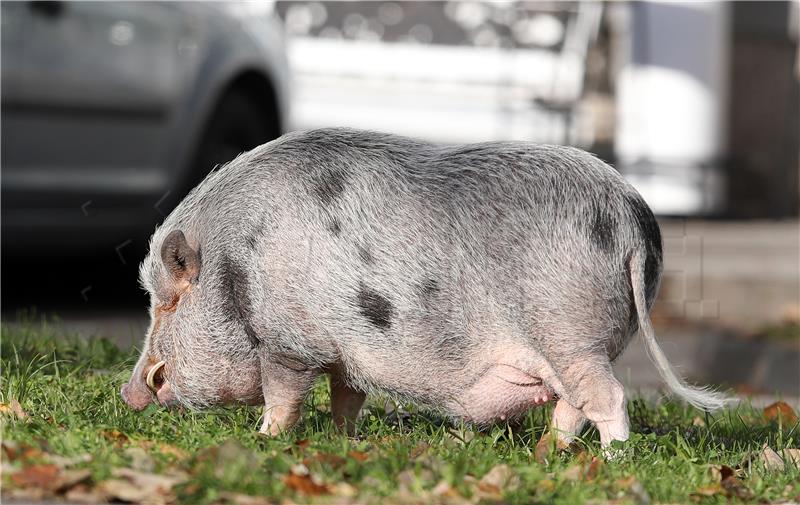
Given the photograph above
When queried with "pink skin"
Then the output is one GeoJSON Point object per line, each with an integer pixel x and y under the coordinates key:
{"type": "Point", "coordinates": [138, 396]}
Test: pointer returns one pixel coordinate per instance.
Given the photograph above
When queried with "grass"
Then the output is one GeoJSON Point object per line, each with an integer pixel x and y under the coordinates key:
{"type": "Point", "coordinates": [68, 387]}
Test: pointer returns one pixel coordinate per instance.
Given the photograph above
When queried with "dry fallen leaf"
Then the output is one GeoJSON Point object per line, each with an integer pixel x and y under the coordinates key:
{"type": "Point", "coordinates": [546, 485]}
{"type": "Point", "coordinates": [121, 489]}
{"type": "Point", "coordinates": [358, 456]}
{"type": "Point", "coordinates": [14, 451]}
{"type": "Point", "coordinates": [332, 460]}
{"type": "Point", "coordinates": [573, 473]}
{"type": "Point", "coordinates": [499, 479]}
{"type": "Point", "coordinates": [545, 447]}
{"type": "Point", "coordinates": [780, 410]}
{"type": "Point", "coordinates": [344, 489]}
{"type": "Point", "coordinates": [85, 494]}
{"type": "Point", "coordinates": [771, 459]}
{"type": "Point", "coordinates": [13, 408]}
{"type": "Point", "coordinates": [712, 490]}
{"type": "Point", "coordinates": [698, 421]}
{"type": "Point", "coordinates": [595, 465]}
{"type": "Point", "coordinates": [418, 450]}
{"type": "Point", "coordinates": [163, 448]}
{"type": "Point", "coordinates": [36, 476]}
{"type": "Point", "coordinates": [115, 436]}
{"type": "Point", "coordinates": [136, 487]}
{"type": "Point", "coordinates": [735, 487]}
{"type": "Point", "coordinates": [71, 478]}
{"type": "Point", "coordinates": [632, 486]}
{"type": "Point", "coordinates": [445, 490]}
{"type": "Point", "coordinates": [64, 462]}
{"type": "Point", "coordinates": [305, 484]}
{"type": "Point", "coordinates": [140, 459]}
{"type": "Point", "coordinates": [243, 499]}
{"type": "Point", "coordinates": [792, 455]}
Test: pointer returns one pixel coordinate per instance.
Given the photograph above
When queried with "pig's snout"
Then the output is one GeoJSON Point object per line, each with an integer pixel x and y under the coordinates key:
{"type": "Point", "coordinates": [139, 395]}
{"type": "Point", "coordinates": [135, 396]}
{"type": "Point", "coordinates": [166, 396]}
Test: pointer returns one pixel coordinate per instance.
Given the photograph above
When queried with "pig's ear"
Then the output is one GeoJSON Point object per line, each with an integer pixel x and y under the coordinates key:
{"type": "Point", "coordinates": [182, 262]}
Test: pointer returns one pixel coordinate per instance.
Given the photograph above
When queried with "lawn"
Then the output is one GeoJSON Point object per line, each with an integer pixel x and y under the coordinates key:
{"type": "Point", "coordinates": [66, 433]}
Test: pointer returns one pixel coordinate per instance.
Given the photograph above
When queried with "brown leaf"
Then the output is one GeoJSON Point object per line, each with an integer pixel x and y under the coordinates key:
{"type": "Point", "coordinates": [792, 455]}
{"type": "Point", "coordinates": [36, 476]}
{"type": "Point", "coordinates": [499, 479]}
{"type": "Point", "coordinates": [358, 456]}
{"type": "Point", "coordinates": [163, 448]}
{"type": "Point", "coordinates": [115, 436]}
{"type": "Point", "coordinates": [444, 490]}
{"type": "Point", "coordinates": [305, 484]}
{"type": "Point", "coordinates": [71, 478]}
{"type": "Point", "coordinates": [418, 450]}
{"type": "Point", "coordinates": [573, 473]}
{"type": "Point", "coordinates": [332, 460]}
{"type": "Point", "coordinates": [344, 489]}
{"type": "Point", "coordinates": [780, 411]}
{"type": "Point", "coordinates": [85, 494]}
{"type": "Point", "coordinates": [13, 409]}
{"type": "Point", "coordinates": [133, 486]}
{"type": "Point", "coordinates": [121, 489]}
{"type": "Point", "coordinates": [632, 486]}
{"type": "Point", "coordinates": [546, 485]}
{"type": "Point", "coordinates": [140, 459]}
{"type": "Point", "coordinates": [720, 472]}
{"type": "Point", "coordinates": [545, 447]}
{"type": "Point", "coordinates": [735, 487]}
{"type": "Point", "coordinates": [64, 462]}
{"type": "Point", "coordinates": [302, 443]}
{"type": "Point", "coordinates": [771, 459]}
{"type": "Point", "coordinates": [698, 421]}
{"type": "Point", "coordinates": [243, 499]}
{"type": "Point", "coordinates": [595, 465]}
{"type": "Point", "coordinates": [712, 490]}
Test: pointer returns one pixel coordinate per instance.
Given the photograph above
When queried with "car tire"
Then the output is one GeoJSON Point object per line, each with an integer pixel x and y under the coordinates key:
{"type": "Point", "coordinates": [236, 125]}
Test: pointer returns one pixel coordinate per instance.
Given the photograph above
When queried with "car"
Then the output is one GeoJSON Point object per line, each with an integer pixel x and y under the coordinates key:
{"type": "Point", "coordinates": [112, 111]}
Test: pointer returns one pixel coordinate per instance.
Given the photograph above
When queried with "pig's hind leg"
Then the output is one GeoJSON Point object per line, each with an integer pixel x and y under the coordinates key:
{"type": "Point", "coordinates": [589, 386]}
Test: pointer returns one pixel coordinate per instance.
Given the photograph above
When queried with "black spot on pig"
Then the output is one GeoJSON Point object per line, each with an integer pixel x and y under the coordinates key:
{"type": "Point", "coordinates": [375, 307]}
{"type": "Point", "coordinates": [428, 290]}
{"type": "Point", "coordinates": [602, 228]}
{"type": "Point", "coordinates": [236, 293]}
{"type": "Point", "coordinates": [651, 234]}
{"type": "Point", "coordinates": [365, 254]}
{"type": "Point", "coordinates": [335, 227]}
{"type": "Point", "coordinates": [330, 184]}
{"type": "Point", "coordinates": [251, 241]}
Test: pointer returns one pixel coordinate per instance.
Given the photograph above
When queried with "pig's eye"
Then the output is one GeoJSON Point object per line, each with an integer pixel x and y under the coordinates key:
{"type": "Point", "coordinates": [155, 376]}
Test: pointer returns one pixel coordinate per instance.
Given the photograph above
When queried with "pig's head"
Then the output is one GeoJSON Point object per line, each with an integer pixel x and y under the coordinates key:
{"type": "Point", "coordinates": [194, 353]}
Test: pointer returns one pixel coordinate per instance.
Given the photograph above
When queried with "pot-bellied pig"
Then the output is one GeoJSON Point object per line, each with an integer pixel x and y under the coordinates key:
{"type": "Point", "coordinates": [478, 280]}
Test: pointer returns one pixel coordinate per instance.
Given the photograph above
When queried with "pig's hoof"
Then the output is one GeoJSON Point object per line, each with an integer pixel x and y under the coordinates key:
{"type": "Point", "coordinates": [547, 446]}
{"type": "Point", "coordinates": [273, 430]}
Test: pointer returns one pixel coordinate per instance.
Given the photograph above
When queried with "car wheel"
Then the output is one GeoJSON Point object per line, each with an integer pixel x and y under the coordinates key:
{"type": "Point", "coordinates": [236, 125]}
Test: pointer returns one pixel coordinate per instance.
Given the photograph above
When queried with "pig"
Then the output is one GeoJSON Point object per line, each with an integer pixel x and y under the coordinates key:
{"type": "Point", "coordinates": [479, 281]}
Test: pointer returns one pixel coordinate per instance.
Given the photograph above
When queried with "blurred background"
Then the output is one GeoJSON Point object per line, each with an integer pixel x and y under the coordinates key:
{"type": "Point", "coordinates": [112, 111]}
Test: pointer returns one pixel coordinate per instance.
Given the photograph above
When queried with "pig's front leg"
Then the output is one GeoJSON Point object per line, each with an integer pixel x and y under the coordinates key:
{"type": "Point", "coordinates": [567, 422]}
{"type": "Point", "coordinates": [284, 389]}
{"type": "Point", "coordinates": [346, 403]}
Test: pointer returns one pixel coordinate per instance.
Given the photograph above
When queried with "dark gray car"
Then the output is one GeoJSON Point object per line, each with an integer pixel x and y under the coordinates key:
{"type": "Point", "coordinates": [111, 111]}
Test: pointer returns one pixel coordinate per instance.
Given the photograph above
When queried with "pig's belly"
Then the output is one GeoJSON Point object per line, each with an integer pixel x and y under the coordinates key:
{"type": "Point", "coordinates": [502, 392]}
